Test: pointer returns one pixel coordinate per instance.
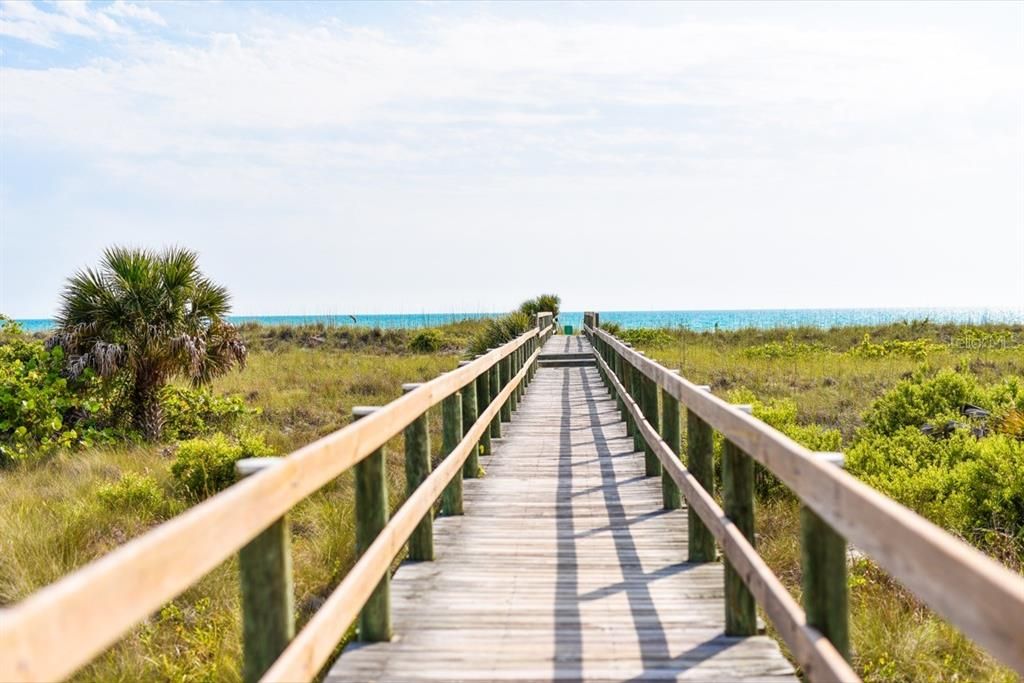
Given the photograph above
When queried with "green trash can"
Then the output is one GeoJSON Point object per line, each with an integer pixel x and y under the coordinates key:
{"type": "Point", "coordinates": [567, 329]}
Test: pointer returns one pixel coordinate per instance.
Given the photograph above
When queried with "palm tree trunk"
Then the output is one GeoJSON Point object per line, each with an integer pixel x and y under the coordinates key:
{"type": "Point", "coordinates": [148, 413]}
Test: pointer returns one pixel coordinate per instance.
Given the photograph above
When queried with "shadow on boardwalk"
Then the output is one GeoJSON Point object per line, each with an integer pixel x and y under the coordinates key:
{"type": "Point", "coordinates": [565, 567]}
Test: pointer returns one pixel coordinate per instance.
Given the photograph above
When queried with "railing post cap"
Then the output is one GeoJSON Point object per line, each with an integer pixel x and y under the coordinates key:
{"type": "Point", "coordinates": [363, 411]}
{"type": "Point", "coordinates": [409, 386]}
{"type": "Point", "coordinates": [833, 458]}
{"type": "Point", "coordinates": [247, 466]}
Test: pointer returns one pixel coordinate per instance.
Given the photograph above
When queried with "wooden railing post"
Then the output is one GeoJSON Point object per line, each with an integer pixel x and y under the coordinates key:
{"type": "Point", "coordinates": [738, 505]}
{"type": "Point", "coordinates": [633, 389]}
{"type": "Point", "coordinates": [825, 587]}
{"type": "Point", "coordinates": [700, 462]}
{"type": "Point", "coordinates": [670, 496]}
{"type": "Point", "coordinates": [268, 599]}
{"type": "Point", "coordinates": [537, 341]}
{"type": "Point", "coordinates": [616, 367]}
{"type": "Point", "coordinates": [505, 369]}
{"type": "Point", "coordinates": [483, 394]}
{"type": "Point", "coordinates": [649, 406]}
{"type": "Point", "coordinates": [371, 518]}
{"type": "Point", "coordinates": [451, 430]}
{"type": "Point", "coordinates": [494, 380]}
{"type": "Point", "coordinates": [471, 466]}
{"type": "Point", "coordinates": [602, 350]}
{"type": "Point", "coordinates": [513, 371]}
{"type": "Point", "coordinates": [417, 469]}
{"type": "Point", "coordinates": [623, 372]}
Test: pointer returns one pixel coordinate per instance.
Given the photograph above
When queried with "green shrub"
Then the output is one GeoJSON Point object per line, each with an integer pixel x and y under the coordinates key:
{"type": "Point", "coordinates": [427, 341]}
{"type": "Point", "coordinates": [918, 349]}
{"type": "Point", "coordinates": [789, 348]}
{"type": "Point", "coordinates": [962, 483]}
{"type": "Point", "coordinates": [192, 412]}
{"type": "Point", "coordinates": [971, 485]}
{"type": "Point", "coordinates": [136, 493]}
{"type": "Point", "coordinates": [611, 327]}
{"type": "Point", "coordinates": [647, 337]}
{"type": "Point", "coordinates": [922, 399]}
{"type": "Point", "coordinates": [39, 411]}
{"type": "Point", "coordinates": [204, 466]}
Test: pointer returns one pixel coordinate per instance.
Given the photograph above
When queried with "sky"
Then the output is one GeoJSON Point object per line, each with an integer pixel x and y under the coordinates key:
{"type": "Point", "coordinates": [439, 157]}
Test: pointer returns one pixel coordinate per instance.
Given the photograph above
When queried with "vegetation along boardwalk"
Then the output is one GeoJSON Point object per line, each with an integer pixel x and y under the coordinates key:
{"type": "Point", "coordinates": [564, 566]}
{"type": "Point", "coordinates": [595, 548]}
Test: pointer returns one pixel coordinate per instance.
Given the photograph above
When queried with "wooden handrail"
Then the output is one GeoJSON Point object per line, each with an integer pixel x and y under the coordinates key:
{"type": "Point", "coordinates": [63, 626]}
{"type": "Point", "coordinates": [312, 647]}
{"type": "Point", "coordinates": [814, 652]}
{"type": "Point", "coordinates": [937, 567]}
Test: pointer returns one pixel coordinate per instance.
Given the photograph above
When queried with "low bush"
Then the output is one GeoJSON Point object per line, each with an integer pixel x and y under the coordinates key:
{"type": "Point", "coordinates": [962, 483]}
{"type": "Point", "coordinates": [650, 338]}
{"type": "Point", "coordinates": [967, 480]}
{"type": "Point", "coordinates": [135, 493]}
{"type": "Point", "coordinates": [611, 327]}
{"type": "Point", "coordinates": [918, 349]}
{"type": "Point", "coordinates": [926, 398]}
{"type": "Point", "coordinates": [203, 466]}
{"type": "Point", "coordinates": [40, 412]}
{"type": "Point", "coordinates": [192, 412]}
{"type": "Point", "coordinates": [427, 341]}
{"type": "Point", "coordinates": [789, 348]}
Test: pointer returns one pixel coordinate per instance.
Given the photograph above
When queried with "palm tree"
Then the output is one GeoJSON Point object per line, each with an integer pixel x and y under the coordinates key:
{"type": "Point", "coordinates": [545, 303]}
{"type": "Point", "coordinates": [146, 317]}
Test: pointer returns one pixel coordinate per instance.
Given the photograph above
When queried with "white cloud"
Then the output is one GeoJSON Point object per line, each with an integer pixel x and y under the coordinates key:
{"type": "Point", "coordinates": [26, 21]}
{"type": "Point", "coordinates": [326, 129]}
{"type": "Point", "coordinates": [120, 8]}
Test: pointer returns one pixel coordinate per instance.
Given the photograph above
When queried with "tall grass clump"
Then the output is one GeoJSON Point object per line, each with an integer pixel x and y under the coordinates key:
{"type": "Point", "coordinates": [498, 331]}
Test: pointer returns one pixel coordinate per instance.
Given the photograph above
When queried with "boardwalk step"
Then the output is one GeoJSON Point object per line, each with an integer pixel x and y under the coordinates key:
{"type": "Point", "coordinates": [567, 363]}
{"type": "Point", "coordinates": [565, 356]}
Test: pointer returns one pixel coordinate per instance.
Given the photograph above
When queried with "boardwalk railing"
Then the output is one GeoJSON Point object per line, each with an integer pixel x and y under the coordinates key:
{"type": "Point", "coordinates": [981, 597]}
{"type": "Point", "coordinates": [62, 627]}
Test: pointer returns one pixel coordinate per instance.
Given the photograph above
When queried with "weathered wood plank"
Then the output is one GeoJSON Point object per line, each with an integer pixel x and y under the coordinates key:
{"type": "Point", "coordinates": [565, 566]}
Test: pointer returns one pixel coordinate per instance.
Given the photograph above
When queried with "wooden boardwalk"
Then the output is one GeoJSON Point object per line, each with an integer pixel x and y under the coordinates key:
{"type": "Point", "coordinates": [564, 566]}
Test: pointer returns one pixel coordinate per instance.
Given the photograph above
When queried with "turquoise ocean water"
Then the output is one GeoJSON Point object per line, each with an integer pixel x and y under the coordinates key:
{"type": "Point", "coordinates": [694, 320]}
